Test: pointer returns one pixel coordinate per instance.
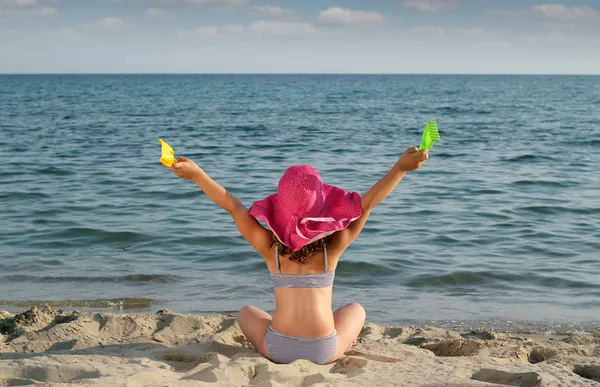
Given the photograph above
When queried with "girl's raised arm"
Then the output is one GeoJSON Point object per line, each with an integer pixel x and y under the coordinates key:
{"type": "Point", "coordinates": [410, 160]}
{"type": "Point", "coordinates": [259, 237]}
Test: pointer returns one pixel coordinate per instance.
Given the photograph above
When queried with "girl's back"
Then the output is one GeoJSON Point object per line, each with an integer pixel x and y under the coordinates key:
{"type": "Point", "coordinates": [303, 311]}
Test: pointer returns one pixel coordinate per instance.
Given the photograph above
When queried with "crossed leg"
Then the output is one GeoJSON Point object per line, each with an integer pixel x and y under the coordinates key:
{"type": "Point", "coordinates": [349, 321]}
{"type": "Point", "coordinates": [254, 323]}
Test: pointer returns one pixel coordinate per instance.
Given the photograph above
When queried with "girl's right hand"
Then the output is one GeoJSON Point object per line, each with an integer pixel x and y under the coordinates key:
{"type": "Point", "coordinates": [411, 159]}
{"type": "Point", "coordinates": [185, 168]}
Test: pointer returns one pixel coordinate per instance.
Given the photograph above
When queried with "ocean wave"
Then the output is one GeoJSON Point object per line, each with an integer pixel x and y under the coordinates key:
{"type": "Point", "coordinates": [485, 191]}
{"type": "Point", "coordinates": [24, 195]}
{"type": "Point", "coordinates": [543, 183]}
{"type": "Point", "coordinates": [116, 303]}
{"type": "Point", "coordinates": [131, 278]}
{"type": "Point", "coordinates": [30, 265]}
{"type": "Point", "coordinates": [363, 268]}
{"type": "Point", "coordinates": [204, 240]}
{"type": "Point", "coordinates": [248, 128]}
{"type": "Point", "coordinates": [528, 158]}
{"type": "Point", "coordinates": [446, 240]}
{"type": "Point", "coordinates": [78, 235]}
{"type": "Point", "coordinates": [496, 279]}
{"type": "Point", "coordinates": [448, 110]}
{"type": "Point", "coordinates": [445, 155]}
{"type": "Point", "coordinates": [556, 210]}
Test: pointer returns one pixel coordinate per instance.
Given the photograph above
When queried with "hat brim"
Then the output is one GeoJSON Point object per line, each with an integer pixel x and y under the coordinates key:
{"type": "Point", "coordinates": [338, 210]}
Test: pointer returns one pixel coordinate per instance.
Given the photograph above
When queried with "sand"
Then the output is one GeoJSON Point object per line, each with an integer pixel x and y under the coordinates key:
{"type": "Point", "coordinates": [66, 348]}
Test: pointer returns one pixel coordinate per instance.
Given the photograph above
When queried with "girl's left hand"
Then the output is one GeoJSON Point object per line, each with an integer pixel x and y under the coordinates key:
{"type": "Point", "coordinates": [411, 159]}
{"type": "Point", "coordinates": [185, 168]}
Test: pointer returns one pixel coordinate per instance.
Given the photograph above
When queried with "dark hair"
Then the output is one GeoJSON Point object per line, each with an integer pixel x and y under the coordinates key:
{"type": "Point", "coordinates": [300, 256]}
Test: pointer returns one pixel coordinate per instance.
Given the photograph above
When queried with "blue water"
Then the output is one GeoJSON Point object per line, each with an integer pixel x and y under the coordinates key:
{"type": "Point", "coordinates": [501, 225]}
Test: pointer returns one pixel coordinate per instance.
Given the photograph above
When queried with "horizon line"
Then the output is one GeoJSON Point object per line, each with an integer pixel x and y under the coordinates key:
{"type": "Point", "coordinates": [299, 73]}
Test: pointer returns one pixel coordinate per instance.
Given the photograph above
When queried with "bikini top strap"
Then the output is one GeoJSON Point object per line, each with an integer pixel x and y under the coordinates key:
{"type": "Point", "coordinates": [277, 258]}
{"type": "Point", "coordinates": [326, 258]}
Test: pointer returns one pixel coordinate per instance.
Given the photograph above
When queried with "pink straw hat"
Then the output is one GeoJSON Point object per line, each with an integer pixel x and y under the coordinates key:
{"type": "Point", "coordinates": [304, 209]}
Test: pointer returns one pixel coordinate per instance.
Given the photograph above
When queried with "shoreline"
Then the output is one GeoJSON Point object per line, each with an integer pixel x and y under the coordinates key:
{"type": "Point", "coordinates": [541, 327]}
{"type": "Point", "coordinates": [142, 306]}
{"type": "Point", "coordinates": [165, 348]}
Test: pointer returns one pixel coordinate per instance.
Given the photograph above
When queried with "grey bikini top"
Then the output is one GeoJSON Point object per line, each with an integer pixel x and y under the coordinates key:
{"type": "Point", "coordinates": [323, 280]}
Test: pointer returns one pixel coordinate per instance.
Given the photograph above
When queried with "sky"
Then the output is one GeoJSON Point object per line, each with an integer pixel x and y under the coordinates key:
{"type": "Point", "coordinates": [300, 36]}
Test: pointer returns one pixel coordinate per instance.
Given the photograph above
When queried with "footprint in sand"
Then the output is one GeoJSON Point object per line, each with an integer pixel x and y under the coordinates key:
{"type": "Point", "coordinates": [522, 379]}
{"type": "Point", "coordinates": [588, 371]}
{"type": "Point", "coordinates": [182, 360]}
{"type": "Point", "coordinates": [349, 366]}
{"type": "Point", "coordinates": [354, 362]}
{"type": "Point", "coordinates": [52, 374]}
{"type": "Point", "coordinates": [368, 356]}
{"type": "Point", "coordinates": [458, 347]}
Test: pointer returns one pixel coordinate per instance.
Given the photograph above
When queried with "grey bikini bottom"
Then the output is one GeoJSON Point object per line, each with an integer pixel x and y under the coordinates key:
{"type": "Point", "coordinates": [285, 349]}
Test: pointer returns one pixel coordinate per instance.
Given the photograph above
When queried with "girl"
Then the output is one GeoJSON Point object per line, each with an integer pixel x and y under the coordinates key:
{"type": "Point", "coordinates": [311, 224]}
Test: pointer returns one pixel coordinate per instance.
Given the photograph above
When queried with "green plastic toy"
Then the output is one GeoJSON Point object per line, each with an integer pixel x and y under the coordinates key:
{"type": "Point", "coordinates": [430, 135]}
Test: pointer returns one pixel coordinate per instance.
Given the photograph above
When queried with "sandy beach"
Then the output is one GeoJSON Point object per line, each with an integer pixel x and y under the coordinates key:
{"type": "Point", "coordinates": [67, 348]}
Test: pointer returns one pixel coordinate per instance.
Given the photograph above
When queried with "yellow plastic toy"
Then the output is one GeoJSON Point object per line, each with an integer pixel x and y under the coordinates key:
{"type": "Point", "coordinates": [168, 155]}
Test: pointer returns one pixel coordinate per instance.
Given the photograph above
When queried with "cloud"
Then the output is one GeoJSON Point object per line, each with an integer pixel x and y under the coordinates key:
{"type": "Point", "coordinates": [282, 28]}
{"type": "Point", "coordinates": [14, 11]}
{"type": "Point", "coordinates": [115, 23]}
{"type": "Point", "coordinates": [338, 15]}
{"type": "Point", "coordinates": [549, 39]}
{"type": "Point", "coordinates": [46, 11]}
{"type": "Point", "coordinates": [219, 3]}
{"type": "Point", "coordinates": [10, 32]}
{"type": "Point", "coordinates": [431, 6]}
{"type": "Point", "coordinates": [21, 3]}
{"type": "Point", "coordinates": [159, 13]}
{"type": "Point", "coordinates": [459, 36]}
{"type": "Point", "coordinates": [549, 12]}
{"type": "Point", "coordinates": [109, 22]}
{"type": "Point", "coordinates": [269, 9]}
{"type": "Point", "coordinates": [25, 8]}
{"type": "Point", "coordinates": [514, 41]}
{"type": "Point", "coordinates": [275, 12]}
{"type": "Point", "coordinates": [262, 27]}
{"type": "Point", "coordinates": [97, 30]}
{"type": "Point", "coordinates": [206, 32]}
{"type": "Point", "coordinates": [69, 33]}
{"type": "Point", "coordinates": [179, 3]}
{"type": "Point", "coordinates": [427, 31]}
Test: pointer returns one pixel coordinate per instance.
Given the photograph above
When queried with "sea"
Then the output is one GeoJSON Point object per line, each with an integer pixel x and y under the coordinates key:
{"type": "Point", "coordinates": [500, 229]}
